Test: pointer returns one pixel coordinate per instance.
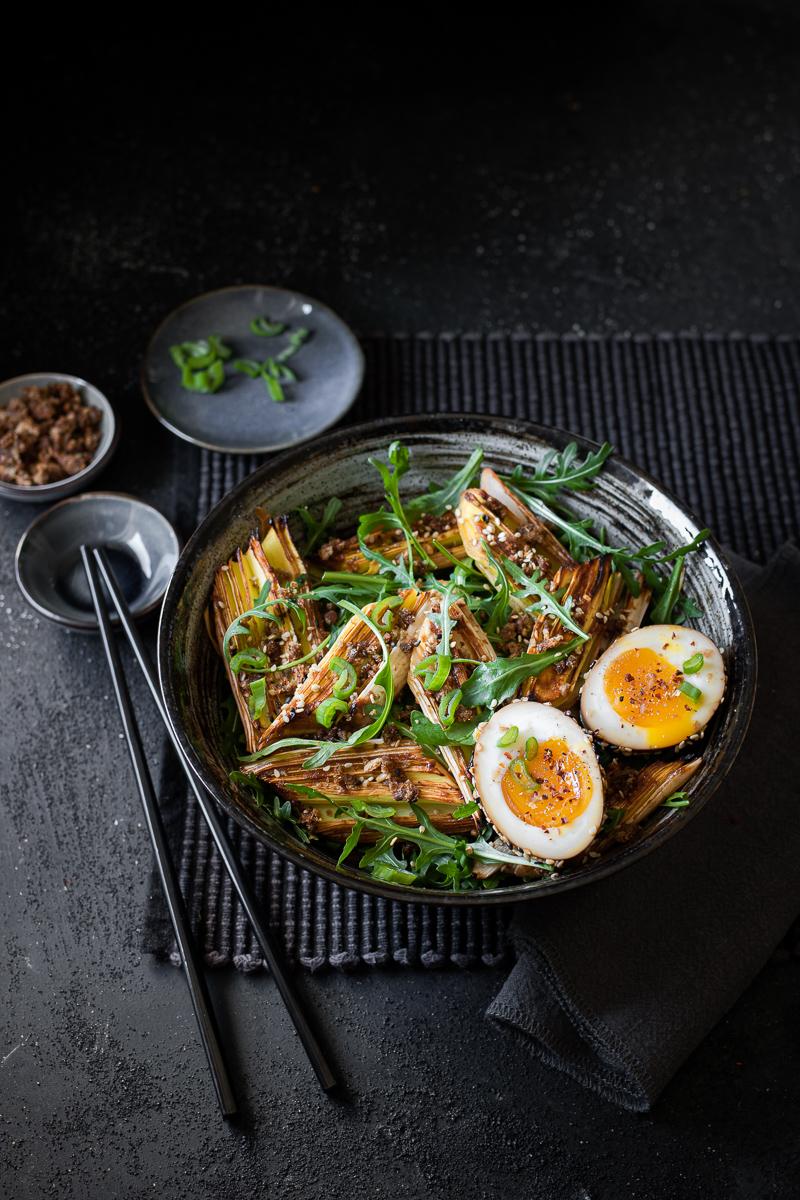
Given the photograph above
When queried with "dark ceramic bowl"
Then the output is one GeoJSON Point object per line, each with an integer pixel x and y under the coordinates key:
{"type": "Point", "coordinates": [633, 509]}
{"type": "Point", "coordinates": [141, 545]}
{"type": "Point", "coordinates": [46, 493]}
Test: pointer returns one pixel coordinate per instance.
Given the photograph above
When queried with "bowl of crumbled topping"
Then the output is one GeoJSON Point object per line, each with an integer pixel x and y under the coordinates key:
{"type": "Point", "coordinates": [57, 432]}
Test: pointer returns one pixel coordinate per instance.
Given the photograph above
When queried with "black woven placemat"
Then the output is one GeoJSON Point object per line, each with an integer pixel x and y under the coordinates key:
{"type": "Point", "coordinates": [715, 418]}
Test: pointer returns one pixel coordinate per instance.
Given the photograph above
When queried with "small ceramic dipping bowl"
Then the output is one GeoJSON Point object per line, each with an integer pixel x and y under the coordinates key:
{"type": "Point", "coordinates": [38, 493]}
{"type": "Point", "coordinates": [140, 543]}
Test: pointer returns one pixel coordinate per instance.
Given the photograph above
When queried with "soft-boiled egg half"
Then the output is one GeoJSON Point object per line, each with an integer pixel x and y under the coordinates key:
{"type": "Point", "coordinates": [653, 687]}
{"type": "Point", "coordinates": [538, 780]}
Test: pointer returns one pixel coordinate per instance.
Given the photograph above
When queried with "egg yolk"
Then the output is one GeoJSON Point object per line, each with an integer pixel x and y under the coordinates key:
{"type": "Point", "coordinates": [642, 688]}
{"type": "Point", "coordinates": [556, 789]}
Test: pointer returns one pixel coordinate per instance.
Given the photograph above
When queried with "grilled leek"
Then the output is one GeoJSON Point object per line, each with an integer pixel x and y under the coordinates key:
{"type": "Point", "coordinates": [373, 773]}
{"type": "Point", "coordinates": [440, 704]}
{"type": "Point", "coordinates": [595, 589]}
{"type": "Point", "coordinates": [259, 659]}
{"type": "Point", "coordinates": [357, 653]}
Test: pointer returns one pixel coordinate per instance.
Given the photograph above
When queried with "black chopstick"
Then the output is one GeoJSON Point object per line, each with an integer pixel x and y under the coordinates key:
{"type": "Point", "coordinates": [263, 935]}
{"type": "Point", "coordinates": [201, 1001]}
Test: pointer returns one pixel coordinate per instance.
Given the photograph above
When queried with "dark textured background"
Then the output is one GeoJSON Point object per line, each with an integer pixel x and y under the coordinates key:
{"type": "Point", "coordinates": [637, 172]}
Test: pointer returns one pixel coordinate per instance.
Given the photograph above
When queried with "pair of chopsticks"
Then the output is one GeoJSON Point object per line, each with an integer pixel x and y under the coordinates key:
{"type": "Point", "coordinates": [97, 567]}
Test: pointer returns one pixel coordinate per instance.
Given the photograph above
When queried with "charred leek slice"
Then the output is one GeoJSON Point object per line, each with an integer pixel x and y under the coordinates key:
{"type": "Point", "coordinates": [359, 647]}
{"type": "Point", "coordinates": [372, 774]}
{"type": "Point", "coordinates": [654, 784]}
{"type": "Point", "coordinates": [466, 641]}
{"type": "Point", "coordinates": [262, 627]}
{"type": "Point", "coordinates": [512, 531]}
{"type": "Point", "coordinates": [594, 590]}
{"type": "Point", "coordinates": [439, 540]}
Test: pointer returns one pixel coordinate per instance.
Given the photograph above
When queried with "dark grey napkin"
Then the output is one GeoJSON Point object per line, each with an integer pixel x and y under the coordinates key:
{"type": "Point", "coordinates": [616, 984]}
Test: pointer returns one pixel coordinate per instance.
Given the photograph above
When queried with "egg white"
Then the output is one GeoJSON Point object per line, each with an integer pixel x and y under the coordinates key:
{"type": "Point", "coordinates": [490, 763]}
{"type": "Point", "coordinates": [675, 644]}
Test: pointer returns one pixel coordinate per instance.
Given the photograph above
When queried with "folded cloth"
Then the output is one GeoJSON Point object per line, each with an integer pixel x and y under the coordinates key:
{"type": "Point", "coordinates": [617, 983]}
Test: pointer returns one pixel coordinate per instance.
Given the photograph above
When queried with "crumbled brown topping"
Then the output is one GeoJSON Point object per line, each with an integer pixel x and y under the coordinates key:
{"type": "Point", "coordinates": [47, 433]}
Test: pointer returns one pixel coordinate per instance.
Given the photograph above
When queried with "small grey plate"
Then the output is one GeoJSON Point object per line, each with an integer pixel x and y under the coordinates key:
{"type": "Point", "coordinates": [141, 544]}
{"type": "Point", "coordinates": [38, 493]}
{"type": "Point", "coordinates": [241, 418]}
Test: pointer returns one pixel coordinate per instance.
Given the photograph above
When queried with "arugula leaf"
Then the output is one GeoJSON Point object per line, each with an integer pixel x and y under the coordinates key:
{"type": "Point", "coordinates": [545, 600]}
{"type": "Point", "coordinates": [465, 810]}
{"type": "Point", "coordinates": [351, 843]}
{"type": "Point", "coordinates": [436, 501]}
{"type": "Point", "coordinates": [391, 474]}
{"type": "Point", "coordinates": [560, 472]}
{"type": "Point", "coordinates": [440, 860]}
{"type": "Point", "coordinates": [499, 679]}
{"type": "Point", "coordinates": [429, 735]}
{"type": "Point", "coordinates": [401, 570]}
{"type": "Point", "coordinates": [579, 538]}
{"type": "Point", "coordinates": [498, 614]}
{"type": "Point", "coordinates": [316, 529]}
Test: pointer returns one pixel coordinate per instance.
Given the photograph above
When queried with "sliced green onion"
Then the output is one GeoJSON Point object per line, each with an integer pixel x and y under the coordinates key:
{"type": "Point", "coordinates": [691, 691]}
{"type": "Point", "coordinates": [266, 328]}
{"type": "Point", "coordinates": [448, 707]}
{"type": "Point", "coordinates": [250, 660]}
{"type": "Point", "coordinates": [693, 664]}
{"type": "Point", "coordinates": [509, 737]}
{"type": "Point", "coordinates": [257, 701]}
{"type": "Point", "coordinates": [434, 670]}
{"type": "Point", "coordinates": [382, 614]}
{"type": "Point", "coordinates": [531, 748]}
{"type": "Point", "coordinates": [676, 800]}
{"type": "Point", "coordinates": [523, 776]}
{"type": "Point", "coordinates": [219, 348]}
{"type": "Point", "coordinates": [326, 712]}
{"type": "Point", "coordinates": [248, 366]}
{"type": "Point", "coordinates": [296, 340]}
{"type": "Point", "coordinates": [206, 382]}
{"type": "Point", "coordinates": [274, 388]}
{"type": "Point", "coordinates": [345, 684]}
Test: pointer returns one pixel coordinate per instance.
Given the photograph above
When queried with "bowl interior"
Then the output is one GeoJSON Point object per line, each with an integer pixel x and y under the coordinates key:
{"type": "Point", "coordinates": [108, 428]}
{"type": "Point", "coordinates": [141, 545]}
{"type": "Point", "coordinates": [633, 509]}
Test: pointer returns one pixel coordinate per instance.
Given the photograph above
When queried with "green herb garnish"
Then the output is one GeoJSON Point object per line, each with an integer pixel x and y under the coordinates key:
{"type": "Point", "coordinates": [676, 800]}
{"type": "Point", "coordinates": [499, 679]}
{"type": "Point", "coordinates": [266, 328]}
{"type": "Point", "coordinates": [544, 600]}
{"type": "Point", "coordinates": [316, 529]}
{"type": "Point", "coordinates": [688, 689]}
{"type": "Point", "coordinates": [345, 683]}
{"type": "Point", "coordinates": [693, 664]}
{"type": "Point", "coordinates": [436, 860]}
{"type": "Point", "coordinates": [261, 610]}
{"type": "Point", "coordinates": [327, 710]}
{"type": "Point", "coordinates": [558, 472]}
{"type": "Point", "coordinates": [509, 737]}
{"type": "Point", "coordinates": [448, 707]}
